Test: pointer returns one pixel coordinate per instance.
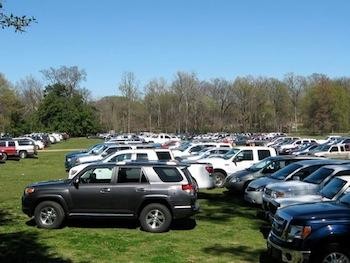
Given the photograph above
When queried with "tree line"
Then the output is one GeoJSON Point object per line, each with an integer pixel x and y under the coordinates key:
{"type": "Point", "coordinates": [314, 104]}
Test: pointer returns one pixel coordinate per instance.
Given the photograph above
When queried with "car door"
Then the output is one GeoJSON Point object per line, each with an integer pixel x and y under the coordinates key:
{"type": "Point", "coordinates": [93, 192]}
{"type": "Point", "coordinates": [245, 158]}
{"type": "Point", "coordinates": [129, 190]}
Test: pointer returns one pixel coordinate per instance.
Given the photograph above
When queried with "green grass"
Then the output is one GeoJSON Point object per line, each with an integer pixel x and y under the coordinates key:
{"type": "Point", "coordinates": [226, 231]}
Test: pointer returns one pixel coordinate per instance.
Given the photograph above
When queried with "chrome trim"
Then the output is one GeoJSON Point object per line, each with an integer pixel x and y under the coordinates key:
{"type": "Point", "coordinates": [182, 206]}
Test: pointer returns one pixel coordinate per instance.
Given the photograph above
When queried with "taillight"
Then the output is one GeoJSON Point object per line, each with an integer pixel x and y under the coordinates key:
{"type": "Point", "coordinates": [209, 168]}
{"type": "Point", "coordinates": [188, 188]}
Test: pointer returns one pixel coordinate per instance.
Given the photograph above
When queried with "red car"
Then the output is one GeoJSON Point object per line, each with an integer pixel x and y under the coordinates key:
{"type": "Point", "coordinates": [8, 149]}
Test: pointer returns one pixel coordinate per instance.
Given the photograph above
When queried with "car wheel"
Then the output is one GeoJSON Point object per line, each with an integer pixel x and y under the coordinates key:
{"type": "Point", "coordinates": [4, 157]}
{"type": "Point", "coordinates": [219, 179]}
{"type": "Point", "coordinates": [49, 214]}
{"type": "Point", "coordinates": [333, 253]}
{"type": "Point", "coordinates": [155, 218]}
{"type": "Point", "coordinates": [22, 154]}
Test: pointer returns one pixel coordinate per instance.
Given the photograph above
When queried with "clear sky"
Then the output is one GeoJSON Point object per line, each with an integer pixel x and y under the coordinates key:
{"type": "Point", "coordinates": [156, 38]}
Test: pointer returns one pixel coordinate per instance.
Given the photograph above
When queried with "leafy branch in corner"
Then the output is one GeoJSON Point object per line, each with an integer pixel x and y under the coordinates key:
{"type": "Point", "coordinates": [19, 23]}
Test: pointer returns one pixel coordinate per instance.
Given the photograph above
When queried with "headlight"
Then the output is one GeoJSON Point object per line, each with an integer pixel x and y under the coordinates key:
{"type": "Point", "coordinates": [69, 160]}
{"type": "Point", "coordinates": [77, 161]}
{"type": "Point", "coordinates": [29, 190]}
{"type": "Point", "coordinates": [300, 232]}
{"type": "Point", "coordinates": [277, 194]}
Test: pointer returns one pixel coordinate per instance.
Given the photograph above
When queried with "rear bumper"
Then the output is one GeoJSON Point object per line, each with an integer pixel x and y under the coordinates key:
{"type": "Point", "coordinates": [185, 211]}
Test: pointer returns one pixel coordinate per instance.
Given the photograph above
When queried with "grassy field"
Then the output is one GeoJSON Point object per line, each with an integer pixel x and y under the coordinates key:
{"type": "Point", "coordinates": [226, 229]}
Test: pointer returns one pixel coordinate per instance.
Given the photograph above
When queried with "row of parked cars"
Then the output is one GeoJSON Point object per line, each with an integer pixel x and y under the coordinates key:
{"type": "Point", "coordinates": [161, 185]}
{"type": "Point", "coordinates": [27, 145]}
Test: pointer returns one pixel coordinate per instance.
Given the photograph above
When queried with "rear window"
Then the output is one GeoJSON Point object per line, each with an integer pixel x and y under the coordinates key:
{"type": "Point", "coordinates": [263, 154]}
{"type": "Point", "coordinates": [163, 156]}
{"type": "Point", "coordinates": [168, 174]}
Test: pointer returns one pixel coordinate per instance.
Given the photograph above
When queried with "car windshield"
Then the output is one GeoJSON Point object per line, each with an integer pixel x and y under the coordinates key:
{"type": "Point", "coordinates": [94, 147]}
{"type": "Point", "coordinates": [260, 165]}
{"type": "Point", "coordinates": [284, 172]}
{"type": "Point", "coordinates": [345, 199]}
{"type": "Point", "coordinates": [201, 152]}
{"type": "Point", "coordinates": [318, 176]}
{"type": "Point", "coordinates": [230, 153]}
{"type": "Point", "coordinates": [183, 146]}
{"type": "Point", "coordinates": [332, 188]}
{"type": "Point", "coordinates": [322, 148]}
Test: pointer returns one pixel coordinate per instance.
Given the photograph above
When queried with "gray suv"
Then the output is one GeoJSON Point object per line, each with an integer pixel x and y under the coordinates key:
{"type": "Point", "coordinates": [155, 193]}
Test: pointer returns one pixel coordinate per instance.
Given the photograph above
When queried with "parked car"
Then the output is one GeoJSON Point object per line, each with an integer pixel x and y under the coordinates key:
{"type": "Point", "coordinates": [332, 191]}
{"type": "Point", "coordinates": [317, 232]}
{"type": "Point", "coordinates": [295, 171]}
{"type": "Point", "coordinates": [238, 181]}
{"type": "Point", "coordinates": [8, 149]}
{"type": "Point", "coordinates": [330, 151]}
{"type": "Point", "coordinates": [284, 148]}
{"type": "Point", "coordinates": [309, 186]}
{"type": "Point", "coordinates": [201, 172]}
{"type": "Point", "coordinates": [71, 157]}
{"type": "Point", "coordinates": [188, 149]}
{"type": "Point", "coordinates": [208, 153]}
{"type": "Point", "coordinates": [25, 147]}
{"type": "Point", "coordinates": [304, 150]}
{"type": "Point", "coordinates": [237, 159]}
{"type": "Point", "coordinates": [153, 193]}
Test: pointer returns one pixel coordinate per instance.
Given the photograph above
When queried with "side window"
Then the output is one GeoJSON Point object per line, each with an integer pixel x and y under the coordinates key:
{"type": "Point", "coordinates": [168, 174]}
{"type": "Point", "coordinates": [334, 149]}
{"type": "Point", "coordinates": [222, 151]}
{"type": "Point", "coordinates": [129, 175]}
{"type": "Point", "coordinates": [97, 176]}
{"type": "Point", "coordinates": [2, 144]}
{"type": "Point", "coordinates": [12, 144]}
{"type": "Point", "coordinates": [163, 156]}
{"type": "Point", "coordinates": [167, 137]}
{"type": "Point", "coordinates": [142, 156]}
{"type": "Point", "coordinates": [298, 142]}
{"type": "Point", "coordinates": [121, 157]}
{"type": "Point", "coordinates": [225, 145]}
{"type": "Point", "coordinates": [245, 155]}
{"type": "Point", "coordinates": [262, 154]}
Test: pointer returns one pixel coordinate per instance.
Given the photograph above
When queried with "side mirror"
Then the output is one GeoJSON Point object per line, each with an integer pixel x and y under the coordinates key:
{"type": "Point", "coordinates": [76, 182]}
{"type": "Point", "coordinates": [239, 158]}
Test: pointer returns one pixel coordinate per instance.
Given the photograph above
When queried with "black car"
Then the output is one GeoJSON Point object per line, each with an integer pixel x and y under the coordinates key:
{"type": "Point", "coordinates": [155, 193]}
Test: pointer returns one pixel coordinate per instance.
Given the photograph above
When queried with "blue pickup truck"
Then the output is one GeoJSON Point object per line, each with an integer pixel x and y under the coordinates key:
{"type": "Point", "coordinates": [317, 232]}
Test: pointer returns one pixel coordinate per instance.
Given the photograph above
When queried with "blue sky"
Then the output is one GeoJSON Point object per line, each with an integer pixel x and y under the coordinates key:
{"type": "Point", "coordinates": [156, 38]}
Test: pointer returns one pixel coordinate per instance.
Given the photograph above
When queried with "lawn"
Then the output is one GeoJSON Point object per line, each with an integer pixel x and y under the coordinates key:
{"type": "Point", "coordinates": [226, 228]}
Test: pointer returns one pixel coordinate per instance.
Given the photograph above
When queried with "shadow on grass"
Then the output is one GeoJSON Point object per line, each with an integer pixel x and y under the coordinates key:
{"type": "Point", "coordinates": [23, 246]}
{"type": "Point", "coordinates": [242, 252]}
{"type": "Point", "coordinates": [222, 207]}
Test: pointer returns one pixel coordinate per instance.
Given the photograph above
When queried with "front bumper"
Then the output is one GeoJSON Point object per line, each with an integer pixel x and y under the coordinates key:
{"type": "Point", "coordinates": [235, 186]}
{"type": "Point", "coordinates": [287, 255]}
{"type": "Point", "coordinates": [253, 197]}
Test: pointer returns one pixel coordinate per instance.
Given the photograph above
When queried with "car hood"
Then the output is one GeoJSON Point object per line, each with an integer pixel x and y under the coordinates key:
{"type": "Point", "coordinates": [324, 210]}
{"type": "Point", "coordinates": [287, 201]}
{"type": "Point", "coordinates": [263, 181]}
{"type": "Point", "coordinates": [242, 174]}
{"type": "Point", "coordinates": [72, 154]}
{"type": "Point", "coordinates": [293, 186]}
{"type": "Point", "coordinates": [50, 183]}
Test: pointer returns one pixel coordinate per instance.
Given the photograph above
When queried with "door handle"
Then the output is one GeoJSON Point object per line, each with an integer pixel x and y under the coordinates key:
{"type": "Point", "coordinates": [105, 190]}
{"type": "Point", "coordinates": [140, 189]}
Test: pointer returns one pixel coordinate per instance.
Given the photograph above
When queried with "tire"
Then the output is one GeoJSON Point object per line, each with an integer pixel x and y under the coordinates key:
{"type": "Point", "coordinates": [22, 154]}
{"type": "Point", "coordinates": [331, 254]}
{"type": "Point", "coordinates": [219, 178]}
{"type": "Point", "coordinates": [155, 218]}
{"type": "Point", "coordinates": [49, 215]}
{"type": "Point", "coordinates": [4, 157]}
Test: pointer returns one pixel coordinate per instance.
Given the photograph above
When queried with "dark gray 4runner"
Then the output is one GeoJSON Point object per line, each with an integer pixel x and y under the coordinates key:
{"type": "Point", "coordinates": [153, 193]}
